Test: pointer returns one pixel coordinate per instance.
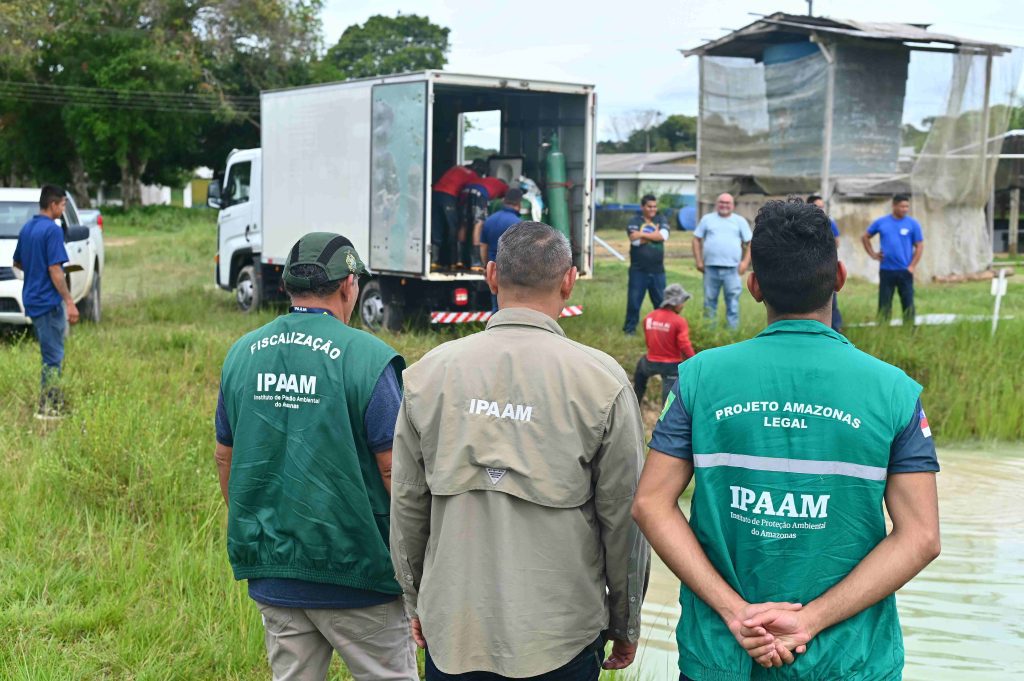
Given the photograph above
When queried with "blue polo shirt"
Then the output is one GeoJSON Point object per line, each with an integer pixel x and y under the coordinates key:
{"type": "Point", "coordinates": [898, 238]}
{"type": "Point", "coordinates": [495, 226]}
{"type": "Point", "coordinates": [40, 244]}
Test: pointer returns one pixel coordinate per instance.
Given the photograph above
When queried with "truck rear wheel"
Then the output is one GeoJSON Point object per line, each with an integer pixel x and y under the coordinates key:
{"type": "Point", "coordinates": [90, 305]}
{"type": "Point", "coordinates": [247, 289]}
{"type": "Point", "coordinates": [374, 313]}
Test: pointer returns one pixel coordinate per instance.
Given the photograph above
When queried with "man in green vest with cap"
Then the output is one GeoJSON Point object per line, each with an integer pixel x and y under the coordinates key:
{"type": "Point", "coordinates": [786, 567]}
{"type": "Point", "coordinates": [305, 422]}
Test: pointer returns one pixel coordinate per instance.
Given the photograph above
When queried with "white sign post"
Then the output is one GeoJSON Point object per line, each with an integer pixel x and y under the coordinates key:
{"type": "Point", "coordinates": [998, 290]}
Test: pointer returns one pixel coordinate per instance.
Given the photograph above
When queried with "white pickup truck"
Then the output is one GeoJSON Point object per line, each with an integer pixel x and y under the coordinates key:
{"type": "Point", "coordinates": [84, 245]}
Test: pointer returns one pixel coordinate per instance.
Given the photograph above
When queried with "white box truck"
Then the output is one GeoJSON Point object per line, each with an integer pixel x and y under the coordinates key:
{"type": "Point", "coordinates": [359, 158]}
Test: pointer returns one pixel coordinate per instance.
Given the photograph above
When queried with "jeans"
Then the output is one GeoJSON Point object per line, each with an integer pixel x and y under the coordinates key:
{"type": "Point", "coordinates": [716, 278]}
{"type": "Point", "coordinates": [901, 281]}
{"type": "Point", "coordinates": [584, 667]}
{"type": "Point", "coordinates": [645, 368]}
{"type": "Point", "coordinates": [51, 329]}
{"type": "Point", "coordinates": [640, 283]}
{"type": "Point", "coordinates": [444, 224]}
{"type": "Point", "coordinates": [837, 316]}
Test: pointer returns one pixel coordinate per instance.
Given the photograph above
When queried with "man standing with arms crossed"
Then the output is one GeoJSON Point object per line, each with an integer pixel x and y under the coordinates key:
{"type": "Point", "coordinates": [41, 255]}
{"type": "Point", "coordinates": [902, 244]}
{"type": "Point", "coordinates": [647, 233]}
{"type": "Point", "coordinates": [305, 422]}
{"type": "Point", "coordinates": [517, 452]}
{"type": "Point", "coordinates": [791, 466]}
{"type": "Point", "coordinates": [721, 247]}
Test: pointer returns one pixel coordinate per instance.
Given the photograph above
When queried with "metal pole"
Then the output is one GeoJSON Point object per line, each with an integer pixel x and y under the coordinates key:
{"type": "Point", "coordinates": [1014, 225]}
{"type": "Point", "coordinates": [700, 118]}
{"type": "Point", "coordinates": [990, 213]}
{"type": "Point", "coordinates": [606, 246]}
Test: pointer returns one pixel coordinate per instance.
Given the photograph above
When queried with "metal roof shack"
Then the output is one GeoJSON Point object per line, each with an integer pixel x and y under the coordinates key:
{"type": "Point", "coordinates": [801, 104]}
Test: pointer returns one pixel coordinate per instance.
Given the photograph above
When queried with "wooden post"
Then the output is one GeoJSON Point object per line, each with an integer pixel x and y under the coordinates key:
{"type": "Point", "coordinates": [1014, 221]}
{"type": "Point", "coordinates": [700, 117]}
{"type": "Point", "coordinates": [990, 213]}
{"type": "Point", "coordinates": [826, 141]}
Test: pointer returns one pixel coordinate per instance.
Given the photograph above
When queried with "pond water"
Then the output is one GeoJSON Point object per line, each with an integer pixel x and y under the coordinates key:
{"type": "Point", "coordinates": [963, 617]}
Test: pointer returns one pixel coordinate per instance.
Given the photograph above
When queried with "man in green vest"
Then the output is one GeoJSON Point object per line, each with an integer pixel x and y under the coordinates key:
{"type": "Point", "coordinates": [787, 571]}
{"type": "Point", "coordinates": [305, 422]}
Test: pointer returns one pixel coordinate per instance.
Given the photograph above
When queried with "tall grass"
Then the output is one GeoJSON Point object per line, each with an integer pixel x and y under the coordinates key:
{"type": "Point", "coordinates": [112, 560]}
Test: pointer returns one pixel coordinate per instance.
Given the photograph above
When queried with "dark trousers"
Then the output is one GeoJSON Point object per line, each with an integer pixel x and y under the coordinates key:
{"type": "Point", "coordinates": [50, 329]}
{"type": "Point", "coordinates": [837, 316]}
{"type": "Point", "coordinates": [444, 223]}
{"type": "Point", "coordinates": [896, 280]}
{"type": "Point", "coordinates": [645, 368]}
{"type": "Point", "coordinates": [641, 283]}
{"type": "Point", "coordinates": [584, 667]}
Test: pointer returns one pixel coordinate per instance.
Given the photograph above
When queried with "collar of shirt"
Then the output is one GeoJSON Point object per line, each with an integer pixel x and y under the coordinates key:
{"type": "Point", "coordinates": [310, 310]}
{"type": "Point", "coordinates": [510, 209]}
{"type": "Point", "coordinates": [524, 316]}
{"type": "Point", "coordinates": [802, 326]}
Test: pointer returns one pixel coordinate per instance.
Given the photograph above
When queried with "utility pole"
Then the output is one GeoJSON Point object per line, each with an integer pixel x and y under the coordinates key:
{"type": "Point", "coordinates": [810, 8]}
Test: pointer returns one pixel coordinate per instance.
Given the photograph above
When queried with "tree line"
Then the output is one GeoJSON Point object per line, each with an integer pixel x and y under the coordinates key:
{"type": "Point", "coordinates": [123, 92]}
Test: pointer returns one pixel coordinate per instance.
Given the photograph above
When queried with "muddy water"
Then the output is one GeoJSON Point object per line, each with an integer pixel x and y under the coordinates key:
{"type": "Point", "coordinates": [963, 617]}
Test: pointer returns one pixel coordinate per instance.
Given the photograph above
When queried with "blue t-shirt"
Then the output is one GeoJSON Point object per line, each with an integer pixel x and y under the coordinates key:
{"type": "Point", "coordinates": [835, 227]}
{"type": "Point", "coordinates": [40, 244]}
{"type": "Point", "coordinates": [898, 238]}
{"type": "Point", "coordinates": [381, 416]}
{"type": "Point", "coordinates": [495, 226]}
{"type": "Point", "coordinates": [913, 450]}
{"type": "Point", "coordinates": [723, 238]}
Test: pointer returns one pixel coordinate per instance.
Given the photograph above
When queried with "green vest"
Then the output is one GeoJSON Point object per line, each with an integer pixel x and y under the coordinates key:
{"type": "Point", "coordinates": [306, 500]}
{"type": "Point", "coordinates": [791, 439]}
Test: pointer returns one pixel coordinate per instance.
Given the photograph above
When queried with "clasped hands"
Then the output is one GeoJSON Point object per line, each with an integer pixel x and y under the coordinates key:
{"type": "Point", "coordinates": [772, 633]}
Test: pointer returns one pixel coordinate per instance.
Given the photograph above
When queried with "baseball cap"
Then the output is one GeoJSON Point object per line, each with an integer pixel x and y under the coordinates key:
{"type": "Point", "coordinates": [513, 195]}
{"type": "Point", "coordinates": [332, 253]}
{"type": "Point", "coordinates": [675, 295]}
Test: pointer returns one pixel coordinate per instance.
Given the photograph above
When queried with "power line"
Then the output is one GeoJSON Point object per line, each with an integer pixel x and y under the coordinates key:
{"type": "Point", "coordinates": [139, 100]}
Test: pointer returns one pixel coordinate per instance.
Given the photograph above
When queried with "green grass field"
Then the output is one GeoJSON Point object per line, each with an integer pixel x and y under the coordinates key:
{"type": "Point", "coordinates": [111, 522]}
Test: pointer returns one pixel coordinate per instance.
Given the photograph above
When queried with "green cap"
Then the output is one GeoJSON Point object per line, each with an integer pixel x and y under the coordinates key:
{"type": "Point", "coordinates": [332, 253]}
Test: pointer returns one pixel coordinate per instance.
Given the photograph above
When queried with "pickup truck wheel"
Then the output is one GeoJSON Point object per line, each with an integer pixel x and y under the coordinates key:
{"type": "Point", "coordinates": [90, 305]}
{"type": "Point", "coordinates": [247, 290]}
{"type": "Point", "coordinates": [374, 314]}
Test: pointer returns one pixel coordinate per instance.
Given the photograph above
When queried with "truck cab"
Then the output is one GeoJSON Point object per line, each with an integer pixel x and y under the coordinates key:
{"type": "Point", "coordinates": [239, 227]}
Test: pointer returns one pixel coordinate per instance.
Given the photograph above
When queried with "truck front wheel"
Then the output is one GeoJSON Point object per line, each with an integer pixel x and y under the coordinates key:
{"type": "Point", "coordinates": [374, 313]}
{"type": "Point", "coordinates": [247, 289]}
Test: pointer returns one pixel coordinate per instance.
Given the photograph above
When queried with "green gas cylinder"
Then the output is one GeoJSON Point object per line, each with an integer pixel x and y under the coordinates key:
{"type": "Point", "coordinates": [556, 193]}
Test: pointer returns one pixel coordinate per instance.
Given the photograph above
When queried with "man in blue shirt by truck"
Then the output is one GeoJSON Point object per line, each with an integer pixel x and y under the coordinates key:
{"type": "Point", "coordinates": [496, 225]}
{"type": "Point", "coordinates": [902, 244]}
{"type": "Point", "coordinates": [41, 255]}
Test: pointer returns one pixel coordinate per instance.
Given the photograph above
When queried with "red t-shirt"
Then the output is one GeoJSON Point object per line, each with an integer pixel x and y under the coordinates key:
{"type": "Point", "coordinates": [668, 336]}
{"type": "Point", "coordinates": [454, 179]}
{"type": "Point", "coordinates": [495, 188]}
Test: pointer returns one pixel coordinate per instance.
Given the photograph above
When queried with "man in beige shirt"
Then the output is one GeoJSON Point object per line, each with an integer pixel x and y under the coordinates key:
{"type": "Point", "coordinates": [516, 456]}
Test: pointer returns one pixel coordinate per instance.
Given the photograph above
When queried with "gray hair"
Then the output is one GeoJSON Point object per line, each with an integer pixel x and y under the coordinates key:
{"type": "Point", "coordinates": [533, 255]}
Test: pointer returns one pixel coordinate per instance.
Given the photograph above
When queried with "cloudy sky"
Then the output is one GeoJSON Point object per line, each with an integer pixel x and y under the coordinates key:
{"type": "Point", "coordinates": [631, 53]}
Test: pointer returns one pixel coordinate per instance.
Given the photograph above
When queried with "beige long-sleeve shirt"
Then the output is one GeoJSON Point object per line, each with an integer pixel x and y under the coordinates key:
{"type": "Point", "coordinates": [516, 456]}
